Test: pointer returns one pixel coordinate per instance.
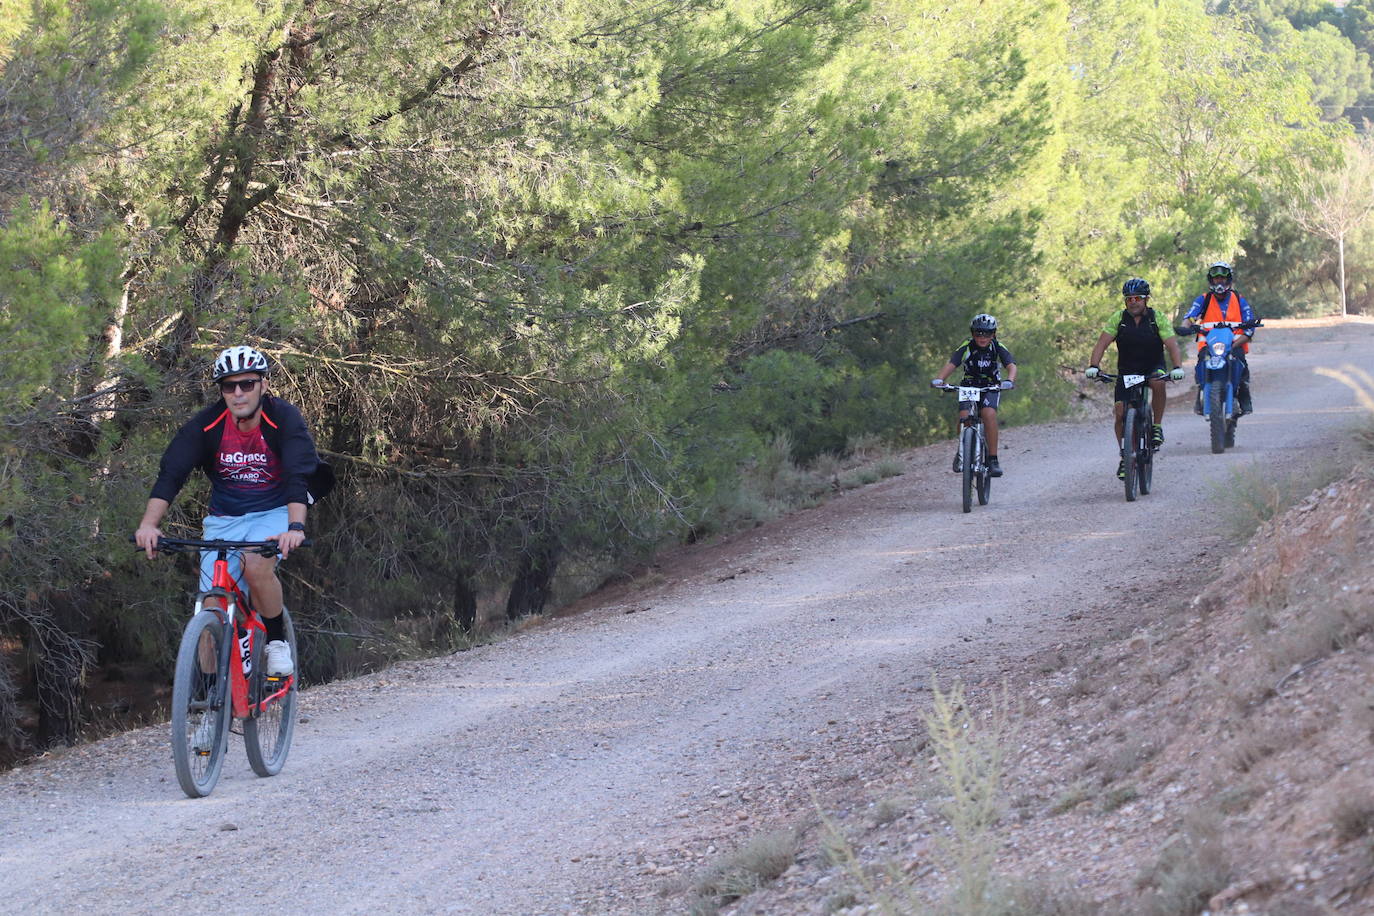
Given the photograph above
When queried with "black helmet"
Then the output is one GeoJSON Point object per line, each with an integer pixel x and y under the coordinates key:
{"type": "Point", "coordinates": [983, 322]}
{"type": "Point", "coordinates": [1219, 277]}
{"type": "Point", "coordinates": [1136, 287]}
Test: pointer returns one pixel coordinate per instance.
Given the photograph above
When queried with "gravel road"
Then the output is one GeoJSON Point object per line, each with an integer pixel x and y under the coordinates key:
{"type": "Point", "coordinates": [581, 764]}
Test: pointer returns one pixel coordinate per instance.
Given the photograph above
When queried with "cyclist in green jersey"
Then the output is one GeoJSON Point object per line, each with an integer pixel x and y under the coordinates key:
{"type": "Point", "coordinates": [1141, 342]}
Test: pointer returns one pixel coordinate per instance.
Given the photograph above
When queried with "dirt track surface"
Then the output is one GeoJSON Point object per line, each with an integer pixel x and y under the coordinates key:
{"type": "Point", "coordinates": [579, 765]}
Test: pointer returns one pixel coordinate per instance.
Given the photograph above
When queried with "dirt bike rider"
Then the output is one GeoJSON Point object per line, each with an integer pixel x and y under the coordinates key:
{"type": "Point", "coordinates": [980, 357]}
{"type": "Point", "coordinates": [258, 454]}
{"type": "Point", "coordinates": [1222, 303]}
{"type": "Point", "coordinates": [1141, 342]}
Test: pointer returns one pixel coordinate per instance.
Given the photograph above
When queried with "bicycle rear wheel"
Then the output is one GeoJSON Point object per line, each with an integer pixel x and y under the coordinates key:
{"type": "Point", "coordinates": [968, 446]}
{"type": "Point", "coordinates": [267, 736]}
{"type": "Point", "coordinates": [1145, 460]}
{"type": "Point", "coordinates": [1129, 437]}
{"type": "Point", "coordinates": [200, 704]}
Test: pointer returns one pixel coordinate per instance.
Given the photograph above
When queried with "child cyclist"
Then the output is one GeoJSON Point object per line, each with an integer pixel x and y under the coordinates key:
{"type": "Point", "coordinates": [981, 357]}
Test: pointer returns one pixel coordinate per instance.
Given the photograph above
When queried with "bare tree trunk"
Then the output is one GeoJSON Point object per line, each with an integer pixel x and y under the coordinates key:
{"type": "Point", "coordinates": [58, 676]}
{"type": "Point", "coordinates": [1340, 250]}
{"type": "Point", "coordinates": [464, 602]}
{"type": "Point", "coordinates": [533, 584]}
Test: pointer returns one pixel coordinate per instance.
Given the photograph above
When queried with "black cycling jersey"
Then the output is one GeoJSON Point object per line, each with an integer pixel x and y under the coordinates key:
{"type": "Point", "coordinates": [1139, 344]}
{"type": "Point", "coordinates": [982, 365]}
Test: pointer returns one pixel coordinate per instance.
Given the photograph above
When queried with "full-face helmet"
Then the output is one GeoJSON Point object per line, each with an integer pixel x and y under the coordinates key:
{"type": "Point", "coordinates": [1219, 277]}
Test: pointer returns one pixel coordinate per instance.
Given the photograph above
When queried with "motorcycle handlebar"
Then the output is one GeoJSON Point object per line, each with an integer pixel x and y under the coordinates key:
{"type": "Point", "coordinates": [1183, 330]}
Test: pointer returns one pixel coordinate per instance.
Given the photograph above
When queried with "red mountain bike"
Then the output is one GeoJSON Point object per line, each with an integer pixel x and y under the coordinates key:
{"type": "Point", "coordinates": [220, 671]}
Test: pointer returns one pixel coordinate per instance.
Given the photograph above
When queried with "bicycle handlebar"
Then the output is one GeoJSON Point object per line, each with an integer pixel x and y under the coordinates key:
{"type": "Point", "coordinates": [186, 545]}
{"type": "Point", "coordinates": [949, 387]}
{"type": "Point", "coordinates": [1109, 377]}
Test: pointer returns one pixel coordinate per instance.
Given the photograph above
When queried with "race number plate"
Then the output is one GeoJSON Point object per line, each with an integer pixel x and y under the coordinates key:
{"type": "Point", "coordinates": [970, 394]}
{"type": "Point", "coordinates": [1130, 381]}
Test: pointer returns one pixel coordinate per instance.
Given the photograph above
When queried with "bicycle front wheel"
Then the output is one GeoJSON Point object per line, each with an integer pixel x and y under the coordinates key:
{"type": "Point", "coordinates": [968, 448]}
{"type": "Point", "coordinates": [267, 733]}
{"type": "Point", "coordinates": [984, 477]}
{"type": "Point", "coordinates": [200, 704]}
{"type": "Point", "coordinates": [1129, 436]}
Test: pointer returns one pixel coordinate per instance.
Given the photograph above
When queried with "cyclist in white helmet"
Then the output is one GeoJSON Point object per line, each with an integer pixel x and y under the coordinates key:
{"type": "Point", "coordinates": [260, 458]}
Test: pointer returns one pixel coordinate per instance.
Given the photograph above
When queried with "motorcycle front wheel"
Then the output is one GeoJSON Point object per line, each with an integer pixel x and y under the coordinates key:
{"type": "Point", "coordinates": [1216, 416]}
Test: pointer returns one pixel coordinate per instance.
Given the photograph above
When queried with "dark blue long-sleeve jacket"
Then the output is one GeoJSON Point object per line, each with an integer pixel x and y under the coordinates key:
{"type": "Point", "coordinates": [197, 443]}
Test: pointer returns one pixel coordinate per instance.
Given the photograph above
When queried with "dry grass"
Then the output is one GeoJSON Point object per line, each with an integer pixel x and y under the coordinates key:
{"type": "Point", "coordinates": [1073, 796]}
{"type": "Point", "coordinates": [1116, 797]}
{"type": "Point", "coordinates": [1192, 867]}
{"type": "Point", "coordinates": [1350, 808]}
{"type": "Point", "coordinates": [775, 484]}
{"type": "Point", "coordinates": [1254, 494]}
{"type": "Point", "coordinates": [888, 810]}
{"type": "Point", "coordinates": [744, 871]}
{"type": "Point", "coordinates": [1245, 752]}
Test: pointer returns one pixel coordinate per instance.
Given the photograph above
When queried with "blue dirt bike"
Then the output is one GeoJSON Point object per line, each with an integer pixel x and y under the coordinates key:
{"type": "Point", "coordinates": [1221, 374]}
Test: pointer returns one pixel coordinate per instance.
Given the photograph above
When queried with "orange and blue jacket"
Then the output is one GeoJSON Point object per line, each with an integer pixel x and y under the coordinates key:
{"type": "Point", "coordinates": [1209, 307]}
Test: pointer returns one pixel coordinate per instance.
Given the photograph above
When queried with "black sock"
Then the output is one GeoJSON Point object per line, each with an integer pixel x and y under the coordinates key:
{"type": "Point", "coordinates": [275, 630]}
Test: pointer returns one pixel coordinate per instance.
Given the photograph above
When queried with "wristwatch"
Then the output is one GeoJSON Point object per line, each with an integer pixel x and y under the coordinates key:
{"type": "Point", "coordinates": [296, 526]}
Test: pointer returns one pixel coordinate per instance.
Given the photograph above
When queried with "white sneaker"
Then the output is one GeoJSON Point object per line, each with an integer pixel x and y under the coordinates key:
{"type": "Point", "coordinates": [204, 739]}
{"type": "Point", "coordinates": [279, 662]}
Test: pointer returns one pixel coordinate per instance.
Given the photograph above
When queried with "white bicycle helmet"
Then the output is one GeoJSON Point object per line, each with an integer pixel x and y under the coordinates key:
{"type": "Point", "coordinates": [239, 359]}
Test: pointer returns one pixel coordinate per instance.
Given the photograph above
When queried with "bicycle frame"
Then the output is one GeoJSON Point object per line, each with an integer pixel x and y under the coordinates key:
{"type": "Point", "coordinates": [1138, 390]}
{"type": "Point", "coordinates": [247, 627]}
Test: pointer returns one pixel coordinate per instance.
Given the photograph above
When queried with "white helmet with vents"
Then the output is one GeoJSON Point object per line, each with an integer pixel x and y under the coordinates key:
{"type": "Point", "coordinates": [239, 359]}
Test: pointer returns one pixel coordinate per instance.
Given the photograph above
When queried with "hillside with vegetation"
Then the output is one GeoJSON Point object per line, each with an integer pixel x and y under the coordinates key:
{"type": "Point", "coordinates": [1201, 747]}
{"type": "Point", "coordinates": [559, 283]}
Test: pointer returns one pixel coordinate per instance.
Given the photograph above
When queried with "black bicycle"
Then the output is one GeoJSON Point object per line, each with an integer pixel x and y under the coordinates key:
{"type": "Point", "coordinates": [1137, 451]}
{"type": "Point", "coordinates": [973, 446]}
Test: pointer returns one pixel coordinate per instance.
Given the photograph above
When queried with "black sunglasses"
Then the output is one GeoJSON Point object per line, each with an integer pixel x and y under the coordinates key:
{"type": "Point", "coordinates": [243, 384]}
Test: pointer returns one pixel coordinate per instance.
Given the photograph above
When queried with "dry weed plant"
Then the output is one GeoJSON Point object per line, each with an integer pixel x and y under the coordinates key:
{"type": "Point", "coordinates": [1327, 626]}
{"type": "Point", "coordinates": [1237, 797]}
{"type": "Point", "coordinates": [1350, 808]}
{"type": "Point", "coordinates": [971, 755]}
{"type": "Point", "coordinates": [888, 810]}
{"type": "Point", "coordinates": [1192, 867]}
{"type": "Point", "coordinates": [1074, 795]}
{"type": "Point", "coordinates": [1361, 710]}
{"type": "Point", "coordinates": [896, 897]}
{"type": "Point", "coordinates": [744, 871]}
{"type": "Point", "coordinates": [1116, 797]}
{"type": "Point", "coordinates": [1254, 746]}
{"type": "Point", "coordinates": [1128, 757]}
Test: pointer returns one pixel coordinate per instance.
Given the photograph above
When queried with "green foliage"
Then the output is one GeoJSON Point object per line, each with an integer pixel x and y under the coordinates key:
{"type": "Point", "coordinates": [559, 280]}
{"type": "Point", "coordinates": [52, 287]}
